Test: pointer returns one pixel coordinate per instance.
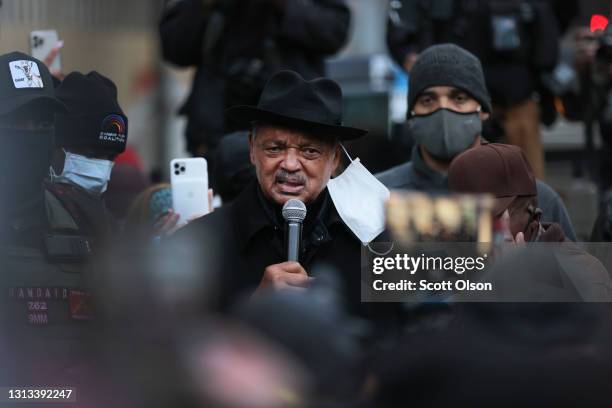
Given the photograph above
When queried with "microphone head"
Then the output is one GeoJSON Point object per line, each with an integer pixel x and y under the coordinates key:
{"type": "Point", "coordinates": [294, 211]}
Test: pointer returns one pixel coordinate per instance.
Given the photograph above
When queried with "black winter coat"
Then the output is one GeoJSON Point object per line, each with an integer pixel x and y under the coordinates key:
{"type": "Point", "coordinates": [241, 239]}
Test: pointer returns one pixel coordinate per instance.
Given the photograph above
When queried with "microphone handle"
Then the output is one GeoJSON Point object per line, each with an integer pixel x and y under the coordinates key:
{"type": "Point", "coordinates": [293, 239]}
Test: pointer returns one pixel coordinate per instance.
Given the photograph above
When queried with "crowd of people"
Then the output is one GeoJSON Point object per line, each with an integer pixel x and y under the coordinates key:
{"type": "Point", "coordinates": [131, 308]}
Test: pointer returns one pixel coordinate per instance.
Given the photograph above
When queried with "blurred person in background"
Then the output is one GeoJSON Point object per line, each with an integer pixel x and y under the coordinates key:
{"type": "Point", "coordinates": [126, 183]}
{"type": "Point", "coordinates": [151, 206]}
{"type": "Point", "coordinates": [88, 138]}
{"type": "Point", "coordinates": [591, 102]}
{"type": "Point", "coordinates": [234, 169]}
{"type": "Point", "coordinates": [294, 146]}
{"type": "Point", "coordinates": [517, 42]}
{"type": "Point", "coordinates": [587, 97]}
{"type": "Point", "coordinates": [236, 46]}
{"type": "Point", "coordinates": [448, 102]}
{"type": "Point", "coordinates": [46, 309]}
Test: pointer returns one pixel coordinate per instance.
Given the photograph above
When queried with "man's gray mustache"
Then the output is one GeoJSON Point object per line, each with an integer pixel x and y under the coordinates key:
{"type": "Point", "coordinates": [284, 177]}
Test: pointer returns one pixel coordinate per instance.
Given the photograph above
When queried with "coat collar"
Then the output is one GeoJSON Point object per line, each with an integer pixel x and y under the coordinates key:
{"type": "Point", "coordinates": [424, 176]}
{"type": "Point", "coordinates": [251, 215]}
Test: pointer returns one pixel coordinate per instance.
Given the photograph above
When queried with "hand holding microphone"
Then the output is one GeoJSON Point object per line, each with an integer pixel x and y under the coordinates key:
{"type": "Point", "coordinates": [290, 274]}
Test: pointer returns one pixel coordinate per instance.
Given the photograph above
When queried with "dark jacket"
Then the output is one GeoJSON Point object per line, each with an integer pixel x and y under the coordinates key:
{"type": "Point", "coordinates": [237, 45]}
{"type": "Point", "coordinates": [246, 236]}
{"type": "Point", "coordinates": [45, 306]}
{"type": "Point", "coordinates": [512, 74]}
{"type": "Point", "coordinates": [417, 175]}
{"type": "Point", "coordinates": [72, 208]}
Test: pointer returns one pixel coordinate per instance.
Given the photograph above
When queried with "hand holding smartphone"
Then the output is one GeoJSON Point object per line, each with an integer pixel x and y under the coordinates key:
{"type": "Point", "coordinates": [45, 46]}
{"type": "Point", "coordinates": [189, 180]}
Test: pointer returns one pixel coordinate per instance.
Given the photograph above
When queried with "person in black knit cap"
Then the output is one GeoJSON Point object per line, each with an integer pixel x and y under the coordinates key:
{"type": "Point", "coordinates": [87, 139]}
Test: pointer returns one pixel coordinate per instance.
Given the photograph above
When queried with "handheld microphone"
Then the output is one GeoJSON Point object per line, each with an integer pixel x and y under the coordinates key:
{"type": "Point", "coordinates": [294, 213]}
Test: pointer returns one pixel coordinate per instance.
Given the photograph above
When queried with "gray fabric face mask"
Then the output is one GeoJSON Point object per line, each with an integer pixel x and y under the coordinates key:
{"type": "Point", "coordinates": [445, 133]}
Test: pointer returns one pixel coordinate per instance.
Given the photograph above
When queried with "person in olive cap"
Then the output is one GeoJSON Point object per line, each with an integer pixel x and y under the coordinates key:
{"type": "Point", "coordinates": [448, 102]}
{"type": "Point", "coordinates": [88, 138]}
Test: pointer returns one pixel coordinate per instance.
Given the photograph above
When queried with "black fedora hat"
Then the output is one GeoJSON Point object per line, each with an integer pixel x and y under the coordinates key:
{"type": "Point", "coordinates": [289, 100]}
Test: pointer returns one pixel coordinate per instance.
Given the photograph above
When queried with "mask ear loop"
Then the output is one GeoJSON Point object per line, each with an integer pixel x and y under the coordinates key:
{"type": "Point", "coordinates": [367, 244]}
{"type": "Point", "coordinates": [52, 174]}
{"type": "Point", "coordinates": [380, 253]}
{"type": "Point", "coordinates": [346, 152]}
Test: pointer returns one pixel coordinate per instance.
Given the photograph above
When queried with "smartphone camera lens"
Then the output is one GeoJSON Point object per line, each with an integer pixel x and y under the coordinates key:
{"type": "Point", "coordinates": [176, 165]}
{"type": "Point", "coordinates": [183, 169]}
{"type": "Point", "coordinates": [176, 172]}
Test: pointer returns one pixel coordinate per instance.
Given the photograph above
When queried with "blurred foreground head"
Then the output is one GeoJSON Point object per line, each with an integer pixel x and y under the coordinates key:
{"type": "Point", "coordinates": [527, 354]}
{"type": "Point", "coordinates": [27, 107]}
{"type": "Point", "coordinates": [314, 327]}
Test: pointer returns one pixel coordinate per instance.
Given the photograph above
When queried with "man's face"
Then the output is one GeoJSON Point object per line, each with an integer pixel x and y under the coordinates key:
{"type": "Point", "coordinates": [291, 164]}
{"type": "Point", "coordinates": [446, 97]}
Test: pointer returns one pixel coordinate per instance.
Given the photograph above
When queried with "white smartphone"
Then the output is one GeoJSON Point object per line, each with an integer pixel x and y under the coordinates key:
{"type": "Point", "coordinates": [41, 44]}
{"type": "Point", "coordinates": [189, 180]}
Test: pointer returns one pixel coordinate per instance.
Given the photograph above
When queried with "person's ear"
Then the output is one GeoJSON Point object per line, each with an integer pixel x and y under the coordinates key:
{"type": "Point", "coordinates": [484, 116]}
{"type": "Point", "coordinates": [337, 158]}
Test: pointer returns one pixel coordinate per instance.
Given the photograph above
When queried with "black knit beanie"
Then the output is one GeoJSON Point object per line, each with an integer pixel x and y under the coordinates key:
{"type": "Point", "coordinates": [94, 119]}
{"type": "Point", "coordinates": [448, 65]}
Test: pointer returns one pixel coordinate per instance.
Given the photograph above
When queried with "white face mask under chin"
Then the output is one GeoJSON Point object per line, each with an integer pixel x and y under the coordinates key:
{"type": "Point", "coordinates": [360, 200]}
{"type": "Point", "coordinates": [91, 174]}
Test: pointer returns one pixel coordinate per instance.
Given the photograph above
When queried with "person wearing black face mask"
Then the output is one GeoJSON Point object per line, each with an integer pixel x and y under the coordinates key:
{"type": "Point", "coordinates": [43, 303]}
{"type": "Point", "coordinates": [448, 102]}
{"type": "Point", "coordinates": [27, 106]}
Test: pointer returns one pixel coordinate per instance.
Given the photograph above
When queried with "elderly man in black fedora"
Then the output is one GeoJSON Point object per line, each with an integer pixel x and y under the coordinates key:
{"type": "Point", "coordinates": [295, 148]}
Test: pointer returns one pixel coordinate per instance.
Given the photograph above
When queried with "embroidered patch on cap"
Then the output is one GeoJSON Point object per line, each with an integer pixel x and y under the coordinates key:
{"type": "Point", "coordinates": [113, 129]}
{"type": "Point", "coordinates": [25, 74]}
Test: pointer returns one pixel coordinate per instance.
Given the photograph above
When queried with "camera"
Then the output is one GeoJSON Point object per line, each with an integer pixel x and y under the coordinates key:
{"type": "Point", "coordinates": [37, 41]}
